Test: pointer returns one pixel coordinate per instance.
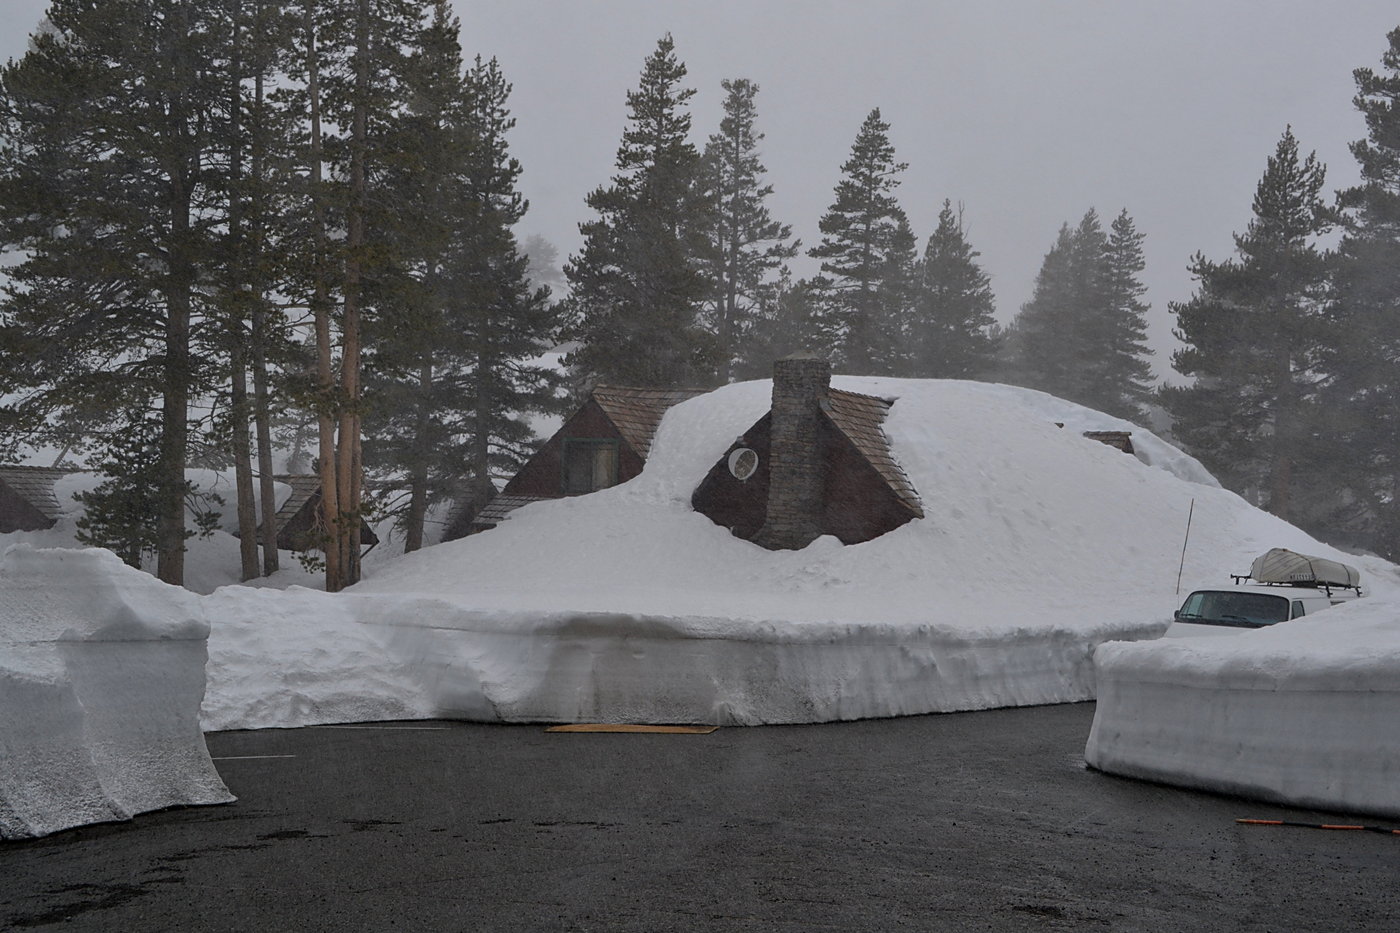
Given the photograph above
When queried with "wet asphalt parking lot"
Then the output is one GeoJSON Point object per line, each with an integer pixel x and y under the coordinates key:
{"type": "Point", "coordinates": [958, 822]}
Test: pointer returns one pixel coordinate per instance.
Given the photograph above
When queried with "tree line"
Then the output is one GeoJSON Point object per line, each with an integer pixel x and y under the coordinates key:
{"type": "Point", "coordinates": [233, 213]}
{"type": "Point", "coordinates": [1291, 349]}
{"type": "Point", "coordinates": [684, 276]}
{"type": "Point", "coordinates": [242, 224]}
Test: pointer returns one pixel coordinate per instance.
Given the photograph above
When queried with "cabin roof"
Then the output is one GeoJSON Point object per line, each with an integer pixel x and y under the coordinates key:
{"type": "Point", "coordinates": [499, 508]}
{"type": "Point", "coordinates": [636, 411]}
{"type": "Point", "coordinates": [34, 485]}
{"type": "Point", "coordinates": [304, 487]}
{"type": "Point", "coordinates": [861, 419]}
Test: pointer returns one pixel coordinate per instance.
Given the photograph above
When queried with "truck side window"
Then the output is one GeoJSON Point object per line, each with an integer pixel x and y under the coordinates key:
{"type": "Point", "coordinates": [1298, 608]}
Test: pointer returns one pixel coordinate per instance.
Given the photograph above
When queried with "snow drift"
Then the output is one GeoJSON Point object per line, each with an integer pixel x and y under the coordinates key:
{"type": "Point", "coordinates": [1305, 712]}
{"type": "Point", "coordinates": [101, 678]}
{"type": "Point", "coordinates": [625, 605]}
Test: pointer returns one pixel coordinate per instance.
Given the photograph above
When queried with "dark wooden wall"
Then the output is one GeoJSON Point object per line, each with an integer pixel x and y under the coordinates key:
{"type": "Point", "coordinates": [857, 503]}
{"type": "Point", "coordinates": [16, 514]}
{"type": "Point", "coordinates": [543, 474]}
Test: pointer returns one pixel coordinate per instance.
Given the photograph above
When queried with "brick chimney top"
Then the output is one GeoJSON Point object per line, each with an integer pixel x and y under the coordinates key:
{"type": "Point", "coordinates": [797, 473]}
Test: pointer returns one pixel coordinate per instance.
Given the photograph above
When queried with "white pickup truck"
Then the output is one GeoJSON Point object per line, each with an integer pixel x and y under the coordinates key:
{"type": "Point", "coordinates": [1285, 585]}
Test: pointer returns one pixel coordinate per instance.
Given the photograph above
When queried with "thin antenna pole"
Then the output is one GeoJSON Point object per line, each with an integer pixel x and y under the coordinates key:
{"type": "Point", "coordinates": [1189, 514]}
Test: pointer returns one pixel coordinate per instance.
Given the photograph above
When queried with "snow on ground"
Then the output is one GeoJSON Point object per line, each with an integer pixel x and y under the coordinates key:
{"type": "Point", "coordinates": [1305, 712]}
{"type": "Point", "coordinates": [101, 678]}
{"type": "Point", "coordinates": [1039, 546]}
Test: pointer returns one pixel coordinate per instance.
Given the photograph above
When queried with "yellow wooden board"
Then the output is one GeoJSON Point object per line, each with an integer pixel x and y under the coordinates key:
{"type": "Point", "coordinates": [632, 727]}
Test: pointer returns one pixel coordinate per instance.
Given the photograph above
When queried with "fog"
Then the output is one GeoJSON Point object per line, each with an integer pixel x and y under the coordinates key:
{"type": "Point", "coordinates": [1027, 112]}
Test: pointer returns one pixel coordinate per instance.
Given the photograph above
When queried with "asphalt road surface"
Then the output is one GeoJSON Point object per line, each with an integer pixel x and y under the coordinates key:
{"type": "Point", "coordinates": [962, 822]}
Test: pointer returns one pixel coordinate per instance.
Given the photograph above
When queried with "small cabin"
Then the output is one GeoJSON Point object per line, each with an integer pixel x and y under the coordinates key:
{"type": "Point", "coordinates": [604, 443]}
{"type": "Point", "coordinates": [298, 521]}
{"type": "Point", "coordinates": [818, 463]}
{"type": "Point", "coordinates": [27, 500]}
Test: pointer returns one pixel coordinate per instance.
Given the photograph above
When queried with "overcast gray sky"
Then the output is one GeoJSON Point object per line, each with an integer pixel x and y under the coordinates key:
{"type": "Point", "coordinates": [1028, 112]}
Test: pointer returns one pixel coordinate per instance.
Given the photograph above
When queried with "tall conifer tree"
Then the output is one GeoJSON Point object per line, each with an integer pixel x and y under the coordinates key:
{"type": "Point", "coordinates": [1361, 357]}
{"type": "Point", "coordinates": [743, 246]}
{"type": "Point", "coordinates": [952, 330]}
{"type": "Point", "coordinates": [867, 256]}
{"type": "Point", "coordinates": [1082, 336]}
{"type": "Point", "coordinates": [102, 187]}
{"type": "Point", "coordinates": [1252, 333]}
{"type": "Point", "coordinates": [636, 284]}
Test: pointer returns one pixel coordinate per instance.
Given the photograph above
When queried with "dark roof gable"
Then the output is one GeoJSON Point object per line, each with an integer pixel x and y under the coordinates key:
{"type": "Point", "coordinates": [861, 419]}
{"type": "Point", "coordinates": [637, 411]}
{"type": "Point", "coordinates": [35, 486]}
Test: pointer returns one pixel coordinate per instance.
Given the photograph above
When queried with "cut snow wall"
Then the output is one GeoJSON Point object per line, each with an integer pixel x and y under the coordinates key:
{"type": "Point", "coordinates": [101, 679]}
{"type": "Point", "coordinates": [1309, 737]}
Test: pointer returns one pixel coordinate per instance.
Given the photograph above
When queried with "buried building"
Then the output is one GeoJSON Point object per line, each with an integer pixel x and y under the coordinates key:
{"type": "Point", "coordinates": [818, 463]}
{"type": "Point", "coordinates": [604, 443]}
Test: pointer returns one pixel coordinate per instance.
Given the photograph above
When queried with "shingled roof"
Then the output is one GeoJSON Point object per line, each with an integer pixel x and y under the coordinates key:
{"type": "Point", "coordinates": [499, 508]}
{"type": "Point", "coordinates": [637, 411]}
{"type": "Point", "coordinates": [861, 419]}
{"type": "Point", "coordinates": [35, 486]}
{"type": "Point", "coordinates": [304, 487]}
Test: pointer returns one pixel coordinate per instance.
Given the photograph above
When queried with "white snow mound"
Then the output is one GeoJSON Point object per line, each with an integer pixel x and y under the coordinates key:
{"type": "Point", "coordinates": [101, 678]}
{"type": "Point", "coordinates": [626, 605]}
{"type": "Point", "coordinates": [1305, 712]}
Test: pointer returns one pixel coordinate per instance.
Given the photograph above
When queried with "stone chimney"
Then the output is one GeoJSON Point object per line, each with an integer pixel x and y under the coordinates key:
{"type": "Point", "coordinates": [796, 471]}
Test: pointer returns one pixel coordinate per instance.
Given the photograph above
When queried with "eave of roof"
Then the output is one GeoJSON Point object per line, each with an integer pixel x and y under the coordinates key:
{"type": "Point", "coordinates": [35, 485]}
{"type": "Point", "coordinates": [636, 411]}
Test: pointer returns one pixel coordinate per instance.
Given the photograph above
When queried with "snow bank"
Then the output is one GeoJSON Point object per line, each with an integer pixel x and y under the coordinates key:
{"type": "Point", "coordinates": [101, 677]}
{"type": "Point", "coordinates": [1304, 712]}
{"type": "Point", "coordinates": [1038, 545]}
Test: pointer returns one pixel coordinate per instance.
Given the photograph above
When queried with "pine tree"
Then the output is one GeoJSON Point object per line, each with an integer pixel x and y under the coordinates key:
{"type": "Point", "coordinates": [450, 391]}
{"type": "Point", "coordinates": [1082, 336]}
{"type": "Point", "coordinates": [636, 286]}
{"type": "Point", "coordinates": [952, 333]}
{"type": "Point", "coordinates": [1041, 347]}
{"type": "Point", "coordinates": [1361, 357]}
{"type": "Point", "coordinates": [744, 246]}
{"type": "Point", "coordinates": [101, 186]}
{"type": "Point", "coordinates": [867, 256]}
{"type": "Point", "coordinates": [1118, 374]}
{"type": "Point", "coordinates": [781, 326]}
{"type": "Point", "coordinates": [407, 447]}
{"type": "Point", "coordinates": [356, 56]}
{"type": "Point", "coordinates": [1252, 333]}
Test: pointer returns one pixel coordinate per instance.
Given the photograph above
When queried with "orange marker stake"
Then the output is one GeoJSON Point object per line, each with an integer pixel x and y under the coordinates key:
{"type": "Point", "coordinates": [1369, 829]}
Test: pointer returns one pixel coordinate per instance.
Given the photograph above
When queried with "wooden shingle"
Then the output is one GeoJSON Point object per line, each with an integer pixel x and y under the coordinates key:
{"type": "Point", "coordinates": [861, 419]}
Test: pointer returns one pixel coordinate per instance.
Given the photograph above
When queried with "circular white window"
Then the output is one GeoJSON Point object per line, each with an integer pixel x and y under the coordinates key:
{"type": "Point", "coordinates": [743, 463]}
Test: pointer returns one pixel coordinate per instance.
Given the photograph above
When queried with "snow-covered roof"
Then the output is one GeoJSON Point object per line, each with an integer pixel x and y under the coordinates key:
{"type": "Point", "coordinates": [34, 485]}
{"type": "Point", "coordinates": [637, 411]}
{"type": "Point", "coordinates": [860, 418]}
{"type": "Point", "coordinates": [497, 510]}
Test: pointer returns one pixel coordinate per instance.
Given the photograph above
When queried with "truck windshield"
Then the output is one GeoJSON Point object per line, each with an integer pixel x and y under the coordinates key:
{"type": "Point", "coordinates": [1221, 607]}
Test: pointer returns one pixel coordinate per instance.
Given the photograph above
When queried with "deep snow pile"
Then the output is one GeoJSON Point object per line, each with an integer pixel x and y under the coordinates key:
{"type": "Point", "coordinates": [1038, 545]}
{"type": "Point", "coordinates": [101, 678]}
{"type": "Point", "coordinates": [210, 562]}
{"type": "Point", "coordinates": [1304, 712]}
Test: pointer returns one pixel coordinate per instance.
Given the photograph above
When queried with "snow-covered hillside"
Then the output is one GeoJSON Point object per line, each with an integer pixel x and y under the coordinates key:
{"type": "Point", "coordinates": [1038, 545]}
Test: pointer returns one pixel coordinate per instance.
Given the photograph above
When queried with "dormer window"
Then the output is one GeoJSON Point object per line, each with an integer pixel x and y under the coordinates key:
{"type": "Point", "coordinates": [590, 464]}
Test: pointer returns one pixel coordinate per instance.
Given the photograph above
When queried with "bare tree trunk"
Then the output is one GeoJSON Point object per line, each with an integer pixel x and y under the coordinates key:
{"type": "Point", "coordinates": [327, 403]}
{"type": "Point", "coordinates": [170, 550]}
{"type": "Point", "coordinates": [348, 466]}
{"type": "Point", "coordinates": [418, 474]}
{"type": "Point", "coordinates": [243, 467]}
{"type": "Point", "coordinates": [1285, 416]}
{"type": "Point", "coordinates": [483, 490]}
{"type": "Point", "coordinates": [238, 390]}
{"type": "Point", "coordinates": [262, 406]}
